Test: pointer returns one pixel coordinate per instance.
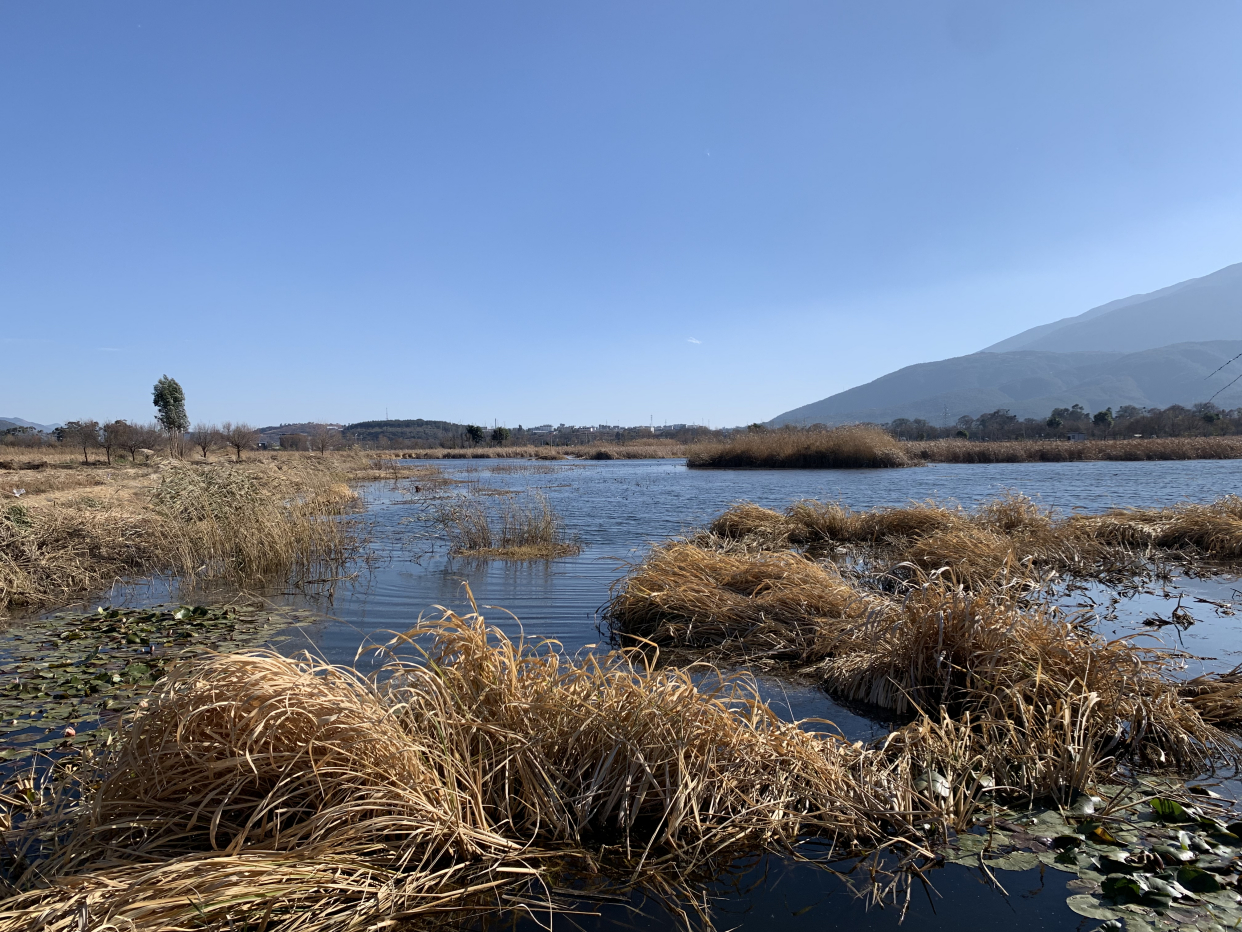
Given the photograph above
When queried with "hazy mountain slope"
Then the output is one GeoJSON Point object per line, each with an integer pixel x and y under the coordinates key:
{"type": "Point", "coordinates": [1201, 309]}
{"type": "Point", "coordinates": [7, 422]}
{"type": "Point", "coordinates": [1032, 383]}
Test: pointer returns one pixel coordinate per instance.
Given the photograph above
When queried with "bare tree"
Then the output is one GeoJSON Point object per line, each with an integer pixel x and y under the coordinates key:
{"type": "Point", "coordinates": [83, 434]}
{"type": "Point", "coordinates": [206, 437]}
{"type": "Point", "coordinates": [298, 442]}
{"type": "Point", "coordinates": [323, 438]}
{"type": "Point", "coordinates": [114, 437]}
{"type": "Point", "coordinates": [239, 436]}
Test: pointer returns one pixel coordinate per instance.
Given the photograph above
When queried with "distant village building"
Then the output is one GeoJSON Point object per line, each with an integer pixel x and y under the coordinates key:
{"type": "Point", "coordinates": [1076, 437]}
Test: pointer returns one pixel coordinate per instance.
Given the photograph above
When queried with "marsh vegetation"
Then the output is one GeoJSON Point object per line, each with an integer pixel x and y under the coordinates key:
{"type": "Point", "coordinates": [506, 527]}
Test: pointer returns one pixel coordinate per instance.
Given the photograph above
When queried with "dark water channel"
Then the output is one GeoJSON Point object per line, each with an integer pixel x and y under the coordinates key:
{"type": "Point", "coordinates": [618, 508]}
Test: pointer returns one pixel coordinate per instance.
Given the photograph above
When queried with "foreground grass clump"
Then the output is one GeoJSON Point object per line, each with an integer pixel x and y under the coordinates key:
{"type": "Point", "coordinates": [298, 795]}
{"type": "Point", "coordinates": [1023, 694]}
{"type": "Point", "coordinates": [1006, 542]}
{"type": "Point", "coordinates": [242, 522]}
{"type": "Point", "coordinates": [518, 528]}
{"type": "Point", "coordinates": [861, 446]}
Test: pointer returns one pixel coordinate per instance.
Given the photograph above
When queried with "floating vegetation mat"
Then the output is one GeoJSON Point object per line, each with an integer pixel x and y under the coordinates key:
{"type": "Point", "coordinates": [67, 681]}
{"type": "Point", "coordinates": [1142, 856]}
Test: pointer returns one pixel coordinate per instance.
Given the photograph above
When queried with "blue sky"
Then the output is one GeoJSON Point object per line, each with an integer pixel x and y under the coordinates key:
{"type": "Point", "coordinates": [585, 212]}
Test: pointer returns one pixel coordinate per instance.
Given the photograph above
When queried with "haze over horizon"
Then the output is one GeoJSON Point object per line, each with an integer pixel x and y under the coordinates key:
{"type": "Point", "coordinates": [605, 213]}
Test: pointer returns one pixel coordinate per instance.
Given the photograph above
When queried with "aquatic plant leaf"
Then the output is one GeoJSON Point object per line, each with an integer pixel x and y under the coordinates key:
{"type": "Point", "coordinates": [1018, 861]}
{"type": "Point", "coordinates": [1197, 880]}
{"type": "Point", "coordinates": [1087, 905]}
{"type": "Point", "coordinates": [1125, 888]}
{"type": "Point", "coordinates": [1169, 810]}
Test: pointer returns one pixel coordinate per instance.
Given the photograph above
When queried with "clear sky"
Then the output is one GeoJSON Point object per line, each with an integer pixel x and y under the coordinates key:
{"type": "Point", "coordinates": [585, 212]}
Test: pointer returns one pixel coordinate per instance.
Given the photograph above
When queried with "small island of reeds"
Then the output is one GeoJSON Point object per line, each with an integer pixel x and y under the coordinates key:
{"type": "Point", "coordinates": [517, 527]}
{"type": "Point", "coordinates": [859, 446]}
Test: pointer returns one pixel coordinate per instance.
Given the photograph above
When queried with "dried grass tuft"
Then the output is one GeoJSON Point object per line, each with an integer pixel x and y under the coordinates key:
{"type": "Point", "coordinates": [1065, 705]}
{"type": "Point", "coordinates": [299, 795]}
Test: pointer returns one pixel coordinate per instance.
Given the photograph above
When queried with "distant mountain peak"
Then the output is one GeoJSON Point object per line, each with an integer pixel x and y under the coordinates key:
{"type": "Point", "coordinates": [1150, 350]}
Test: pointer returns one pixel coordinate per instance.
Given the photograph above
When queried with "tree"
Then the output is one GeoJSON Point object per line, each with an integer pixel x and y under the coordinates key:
{"type": "Point", "coordinates": [169, 401]}
{"type": "Point", "coordinates": [475, 432]}
{"type": "Point", "coordinates": [1104, 418]}
{"type": "Point", "coordinates": [322, 438]}
{"type": "Point", "coordinates": [239, 437]}
{"type": "Point", "coordinates": [205, 437]}
{"type": "Point", "coordinates": [756, 428]}
{"type": "Point", "coordinates": [84, 434]}
{"type": "Point", "coordinates": [115, 436]}
{"type": "Point", "coordinates": [298, 442]}
{"type": "Point", "coordinates": [500, 435]}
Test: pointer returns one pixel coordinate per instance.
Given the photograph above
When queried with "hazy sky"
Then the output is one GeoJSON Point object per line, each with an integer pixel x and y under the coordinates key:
{"type": "Point", "coordinates": [585, 211]}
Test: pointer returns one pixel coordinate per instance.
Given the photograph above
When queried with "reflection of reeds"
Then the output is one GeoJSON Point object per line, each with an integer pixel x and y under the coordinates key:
{"type": "Point", "coordinates": [522, 527]}
{"type": "Point", "coordinates": [859, 446]}
{"type": "Point", "coordinates": [1023, 685]}
{"type": "Point", "coordinates": [266, 792]}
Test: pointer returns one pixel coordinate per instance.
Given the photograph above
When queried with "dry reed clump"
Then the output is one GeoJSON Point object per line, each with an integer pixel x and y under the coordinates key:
{"type": "Point", "coordinates": [518, 528]}
{"type": "Point", "coordinates": [199, 521]}
{"type": "Point", "coordinates": [859, 446]}
{"type": "Point", "coordinates": [1006, 541]}
{"type": "Point", "coordinates": [298, 795]}
{"type": "Point", "coordinates": [1027, 685]}
{"type": "Point", "coordinates": [1061, 451]}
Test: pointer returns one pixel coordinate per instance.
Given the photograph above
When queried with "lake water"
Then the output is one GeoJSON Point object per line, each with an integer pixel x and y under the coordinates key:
{"type": "Point", "coordinates": [619, 508]}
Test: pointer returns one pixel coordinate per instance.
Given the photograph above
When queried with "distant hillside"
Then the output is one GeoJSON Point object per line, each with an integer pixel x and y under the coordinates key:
{"type": "Point", "coordinates": [417, 431]}
{"type": "Point", "coordinates": [1201, 309]}
{"type": "Point", "coordinates": [1149, 350]}
{"type": "Point", "coordinates": [1032, 383]}
{"type": "Point", "coordinates": [7, 422]}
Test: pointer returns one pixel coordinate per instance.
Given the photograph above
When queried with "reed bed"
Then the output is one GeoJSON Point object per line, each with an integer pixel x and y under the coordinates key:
{"type": "Point", "coordinates": [1062, 451]}
{"type": "Point", "coordinates": [260, 791]}
{"type": "Point", "coordinates": [1044, 704]}
{"type": "Point", "coordinates": [225, 521]}
{"type": "Point", "coordinates": [633, 450]}
{"type": "Point", "coordinates": [859, 446]}
{"type": "Point", "coordinates": [524, 527]}
{"type": "Point", "coordinates": [1006, 542]}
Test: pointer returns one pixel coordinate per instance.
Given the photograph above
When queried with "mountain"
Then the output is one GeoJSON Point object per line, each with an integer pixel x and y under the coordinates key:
{"type": "Point", "coordinates": [1150, 350]}
{"type": "Point", "coordinates": [1201, 309]}
{"type": "Point", "coordinates": [1030, 384]}
{"type": "Point", "coordinates": [7, 422]}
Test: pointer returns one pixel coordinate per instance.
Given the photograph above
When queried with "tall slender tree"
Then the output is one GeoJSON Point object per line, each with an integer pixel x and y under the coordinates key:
{"type": "Point", "coordinates": [169, 400]}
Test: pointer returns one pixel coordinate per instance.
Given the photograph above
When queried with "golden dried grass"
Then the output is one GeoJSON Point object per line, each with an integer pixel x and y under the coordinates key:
{"type": "Point", "coordinates": [242, 523]}
{"type": "Point", "coordinates": [1009, 675]}
{"type": "Point", "coordinates": [1061, 451]}
{"type": "Point", "coordinates": [1006, 541]}
{"type": "Point", "coordinates": [858, 446]}
{"type": "Point", "coordinates": [524, 527]}
{"type": "Point", "coordinates": [290, 794]}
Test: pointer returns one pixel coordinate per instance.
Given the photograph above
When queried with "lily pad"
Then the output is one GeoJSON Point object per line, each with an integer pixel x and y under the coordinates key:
{"type": "Point", "coordinates": [1090, 906]}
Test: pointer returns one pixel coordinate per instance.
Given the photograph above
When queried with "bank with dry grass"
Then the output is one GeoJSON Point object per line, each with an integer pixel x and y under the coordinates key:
{"type": "Point", "coordinates": [1063, 451]}
{"type": "Point", "coordinates": [83, 529]}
